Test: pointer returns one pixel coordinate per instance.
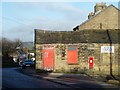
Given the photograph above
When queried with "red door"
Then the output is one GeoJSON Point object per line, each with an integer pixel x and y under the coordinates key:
{"type": "Point", "coordinates": [48, 57]}
{"type": "Point", "coordinates": [72, 54]}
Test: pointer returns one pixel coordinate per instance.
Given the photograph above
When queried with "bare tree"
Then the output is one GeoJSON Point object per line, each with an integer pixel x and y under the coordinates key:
{"type": "Point", "coordinates": [9, 46]}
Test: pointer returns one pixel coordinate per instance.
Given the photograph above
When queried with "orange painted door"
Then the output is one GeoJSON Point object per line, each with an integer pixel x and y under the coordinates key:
{"type": "Point", "coordinates": [72, 54]}
{"type": "Point", "coordinates": [48, 57]}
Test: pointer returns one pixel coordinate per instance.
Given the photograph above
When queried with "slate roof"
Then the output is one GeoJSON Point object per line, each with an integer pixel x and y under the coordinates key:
{"type": "Point", "coordinates": [69, 37]}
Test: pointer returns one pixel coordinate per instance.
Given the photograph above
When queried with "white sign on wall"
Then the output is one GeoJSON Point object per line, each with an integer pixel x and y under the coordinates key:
{"type": "Point", "coordinates": [107, 49]}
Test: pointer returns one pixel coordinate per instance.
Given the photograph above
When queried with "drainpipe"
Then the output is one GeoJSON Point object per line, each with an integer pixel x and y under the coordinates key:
{"type": "Point", "coordinates": [110, 41]}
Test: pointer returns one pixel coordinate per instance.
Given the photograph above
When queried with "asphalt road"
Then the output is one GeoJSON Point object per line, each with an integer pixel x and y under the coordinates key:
{"type": "Point", "coordinates": [13, 79]}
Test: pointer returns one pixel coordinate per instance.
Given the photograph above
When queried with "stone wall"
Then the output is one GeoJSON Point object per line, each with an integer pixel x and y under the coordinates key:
{"type": "Point", "coordinates": [106, 19]}
{"type": "Point", "coordinates": [38, 56]}
{"type": "Point", "coordinates": [101, 60]}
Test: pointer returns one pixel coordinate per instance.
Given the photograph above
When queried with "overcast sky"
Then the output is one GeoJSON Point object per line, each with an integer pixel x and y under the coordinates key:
{"type": "Point", "coordinates": [19, 19]}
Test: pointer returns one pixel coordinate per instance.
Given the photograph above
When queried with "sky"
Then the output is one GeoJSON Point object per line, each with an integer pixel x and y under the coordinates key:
{"type": "Point", "coordinates": [19, 19]}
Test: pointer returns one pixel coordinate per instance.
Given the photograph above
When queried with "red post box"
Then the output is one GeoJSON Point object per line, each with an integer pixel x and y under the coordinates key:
{"type": "Point", "coordinates": [91, 62]}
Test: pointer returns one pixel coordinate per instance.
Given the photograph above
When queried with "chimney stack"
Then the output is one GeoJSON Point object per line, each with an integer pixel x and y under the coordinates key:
{"type": "Point", "coordinates": [97, 8]}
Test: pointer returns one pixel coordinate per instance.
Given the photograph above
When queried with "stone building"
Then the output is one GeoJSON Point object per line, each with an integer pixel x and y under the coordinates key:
{"type": "Point", "coordinates": [93, 47]}
{"type": "Point", "coordinates": [69, 51]}
{"type": "Point", "coordinates": [103, 17]}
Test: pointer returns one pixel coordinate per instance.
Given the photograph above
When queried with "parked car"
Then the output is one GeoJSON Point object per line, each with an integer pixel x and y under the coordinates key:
{"type": "Point", "coordinates": [27, 63]}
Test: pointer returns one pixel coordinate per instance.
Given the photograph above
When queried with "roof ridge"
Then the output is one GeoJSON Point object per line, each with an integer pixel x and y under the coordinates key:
{"type": "Point", "coordinates": [114, 6]}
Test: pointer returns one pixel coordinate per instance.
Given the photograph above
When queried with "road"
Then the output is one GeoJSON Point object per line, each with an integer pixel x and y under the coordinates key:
{"type": "Point", "coordinates": [12, 78]}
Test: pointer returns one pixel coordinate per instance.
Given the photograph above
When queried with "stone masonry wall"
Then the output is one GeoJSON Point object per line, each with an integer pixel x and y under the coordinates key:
{"type": "Point", "coordinates": [101, 60]}
{"type": "Point", "coordinates": [38, 56]}
{"type": "Point", "coordinates": [107, 19]}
